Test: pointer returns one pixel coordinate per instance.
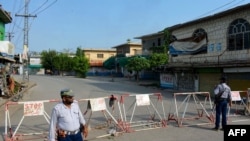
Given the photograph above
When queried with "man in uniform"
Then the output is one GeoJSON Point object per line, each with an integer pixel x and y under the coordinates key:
{"type": "Point", "coordinates": [67, 121]}
{"type": "Point", "coordinates": [222, 99]}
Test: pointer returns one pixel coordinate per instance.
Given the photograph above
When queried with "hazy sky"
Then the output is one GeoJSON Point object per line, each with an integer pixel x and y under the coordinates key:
{"type": "Point", "coordinates": [67, 24]}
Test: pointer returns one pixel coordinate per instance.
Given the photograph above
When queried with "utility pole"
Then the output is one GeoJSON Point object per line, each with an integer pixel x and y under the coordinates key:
{"type": "Point", "coordinates": [26, 16]}
{"type": "Point", "coordinates": [9, 36]}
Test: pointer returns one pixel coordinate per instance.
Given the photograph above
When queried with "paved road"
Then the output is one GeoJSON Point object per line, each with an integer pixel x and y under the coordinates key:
{"type": "Point", "coordinates": [48, 88]}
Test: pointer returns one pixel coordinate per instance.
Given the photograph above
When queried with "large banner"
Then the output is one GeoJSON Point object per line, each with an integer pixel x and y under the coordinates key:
{"type": "Point", "coordinates": [7, 49]}
{"type": "Point", "coordinates": [167, 80]}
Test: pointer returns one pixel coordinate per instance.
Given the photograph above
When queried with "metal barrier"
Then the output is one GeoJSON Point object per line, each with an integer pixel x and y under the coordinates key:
{"type": "Point", "coordinates": [240, 104]}
{"type": "Point", "coordinates": [100, 105]}
{"type": "Point", "coordinates": [201, 107]}
{"type": "Point", "coordinates": [30, 109]}
{"type": "Point", "coordinates": [154, 119]}
{"type": "Point", "coordinates": [116, 114]}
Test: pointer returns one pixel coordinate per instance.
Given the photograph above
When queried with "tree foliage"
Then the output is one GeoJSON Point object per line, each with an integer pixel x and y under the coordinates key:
{"type": "Point", "coordinates": [81, 64]}
{"type": "Point", "coordinates": [61, 62]}
{"type": "Point", "coordinates": [137, 64]}
{"type": "Point", "coordinates": [48, 59]}
{"type": "Point", "coordinates": [157, 59]}
{"type": "Point", "coordinates": [160, 54]}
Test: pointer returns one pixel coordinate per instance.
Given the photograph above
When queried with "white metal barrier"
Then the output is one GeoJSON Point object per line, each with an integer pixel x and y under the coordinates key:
{"type": "Point", "coordinates": [99, 105]}
{"type": "Point", "coordinates": [242, 97]}
{"type": "Point", "coordinates": [30, 109]}
{"type": "Point", "coordinates": [119, 113]}
{"type": "Point", "coordinates": [200, 107]}
{"type": "Point", "coordinates": [153, 119]}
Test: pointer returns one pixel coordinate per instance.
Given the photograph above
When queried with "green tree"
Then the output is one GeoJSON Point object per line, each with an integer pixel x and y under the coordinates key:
{"type": "Point", "coordinates": [48, 60]}
{"type": "Point", "coordinates": [81, 63]}
{"type": "Point", "coordinates": [166, 40]}
{"type": "Point", "coordinates": [137, 64]}
{"type": "Point", "coordinates": [64, 63]}
{"type": "Point", "coordinates": [157, 59]}
{"type": "Point", "coordinates": [160, 54]}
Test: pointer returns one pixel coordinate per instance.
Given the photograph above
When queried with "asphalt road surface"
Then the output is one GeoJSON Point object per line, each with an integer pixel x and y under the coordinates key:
{"type": "Point", "coordinates": [143, 125]}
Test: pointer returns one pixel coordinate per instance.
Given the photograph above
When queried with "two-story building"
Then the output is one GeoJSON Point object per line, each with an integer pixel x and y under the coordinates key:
{"type": "Point", "coordinates": [204, 49]}
{"type": "Point", "coordinates": [7, 49]}
{"type": "Point", "coordinates": [123, 52]}
{"type": "Point", "coordinates": [96, 58]}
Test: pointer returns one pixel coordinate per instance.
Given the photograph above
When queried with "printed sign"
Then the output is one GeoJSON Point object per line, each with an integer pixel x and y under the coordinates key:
{"type": "Point", "coordinates": [235, 96]}
{"type": "Point", "coordinates": [142, 100]}
{"type": "Point", "coordinates": [98, 104]}
{"type": "Point", "coordinates": [33, 108]}
{"type": "Point", "coordinates": [167, 80]}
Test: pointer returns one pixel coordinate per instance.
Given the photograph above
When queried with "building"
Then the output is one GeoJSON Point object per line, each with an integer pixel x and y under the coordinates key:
{"type": "Point", "coordinates": [128, 49]}
{"type": "Point", "coordinates": [96, 58]}
{"type": "Point", "coordinates": [123, 52]}
{"type": "Point", "coordinates": [205, 49]}
{"type": "Point", "coordinates": [7, 49]}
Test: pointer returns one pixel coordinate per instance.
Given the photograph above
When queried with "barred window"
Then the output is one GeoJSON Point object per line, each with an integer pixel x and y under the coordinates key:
{"type": "Point", "coordinates": [99, 55]}
{"type": "Point", "coordinates": [239, 35]}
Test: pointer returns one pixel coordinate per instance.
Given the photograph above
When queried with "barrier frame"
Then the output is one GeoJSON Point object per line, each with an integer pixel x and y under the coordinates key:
{"type": "Point", "coordinates": [127, 125]}
{"type": "Point", "coordinates": [91, 107]}
{"type": "Point", "coordinates": [179, 120]}
{"type": "Point", "coordinates": [33, 108]}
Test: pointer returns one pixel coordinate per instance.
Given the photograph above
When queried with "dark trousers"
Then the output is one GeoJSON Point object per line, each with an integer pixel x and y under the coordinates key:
{"type": "Point", "coordinates": [221, 109]}
{"type": "Point", "coordinates": [76, 137]}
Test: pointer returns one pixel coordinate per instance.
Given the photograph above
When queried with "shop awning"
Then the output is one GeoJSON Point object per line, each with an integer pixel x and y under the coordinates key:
{"type": "Point", "coordinates": [7, 59]}
{"type": "Point", "coordinates": [35, 66]}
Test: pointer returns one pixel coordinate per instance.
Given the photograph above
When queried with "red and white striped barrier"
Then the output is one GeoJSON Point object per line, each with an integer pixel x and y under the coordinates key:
{"type": "Point", "coordinates": [30, 109]}
{"type": "Point", "coordinates": [200, 107]}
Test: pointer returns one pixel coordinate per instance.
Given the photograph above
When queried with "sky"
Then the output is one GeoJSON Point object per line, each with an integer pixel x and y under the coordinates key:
{"type": "Point", "coordinates": [65, 25]}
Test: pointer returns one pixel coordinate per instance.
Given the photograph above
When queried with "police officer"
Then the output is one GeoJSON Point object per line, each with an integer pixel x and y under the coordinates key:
{"type": "Point", "coordinates": [67, 121]}
{"type": "Point", "coordinates": [222, 99]}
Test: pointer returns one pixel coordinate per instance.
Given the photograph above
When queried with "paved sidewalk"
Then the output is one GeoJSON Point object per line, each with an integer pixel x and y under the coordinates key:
{"type": "Point", "coordinates": [27, 84]}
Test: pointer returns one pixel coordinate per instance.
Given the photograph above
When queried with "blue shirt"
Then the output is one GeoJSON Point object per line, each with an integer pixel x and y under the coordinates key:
{"type": "Point", "coordinates": [68, 119]}
{"type": "Point", "coordinates": [223, 88]}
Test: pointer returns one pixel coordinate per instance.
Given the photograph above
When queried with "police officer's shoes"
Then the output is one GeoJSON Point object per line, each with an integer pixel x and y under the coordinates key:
{"type": "Point", "coordinates": [215, 128]}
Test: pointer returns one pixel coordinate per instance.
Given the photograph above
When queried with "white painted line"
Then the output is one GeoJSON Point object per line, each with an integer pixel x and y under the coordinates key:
{"type": "Point", "coordinates": [240, 120]}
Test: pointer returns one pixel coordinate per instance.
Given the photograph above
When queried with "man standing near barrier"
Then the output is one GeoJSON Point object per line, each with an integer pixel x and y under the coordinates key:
{"type": "Point", "coordinates": [67, 121]}
{"type": "Point", "coordinates": [222, 98]}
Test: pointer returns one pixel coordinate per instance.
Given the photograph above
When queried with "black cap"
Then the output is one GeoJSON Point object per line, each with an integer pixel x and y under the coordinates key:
{"type": "Point", "coordinates": [223, 78]}
{"type": "Point", "coordinates": [67, 92]}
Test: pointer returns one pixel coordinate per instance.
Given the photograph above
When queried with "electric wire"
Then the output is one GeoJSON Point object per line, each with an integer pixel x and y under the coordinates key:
{"type": "Point", "coordinates": [39, 12]}
{"type": "Point", "coordinates": [39, 7]}
{"type": "Point", "coordinates": [214, 10]}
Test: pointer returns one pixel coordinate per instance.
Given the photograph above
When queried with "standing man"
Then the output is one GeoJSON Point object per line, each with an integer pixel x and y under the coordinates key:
{"type": "Point", "coordinates": [67, 121]}
{"type": "Point", "coordinates": [222, 98]}
{"type": "Point", "coordinates": [10, 84]}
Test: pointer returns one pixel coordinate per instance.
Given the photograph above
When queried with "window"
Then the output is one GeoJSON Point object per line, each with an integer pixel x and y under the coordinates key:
{"type": "Point", "coordinates": [239, 35]}
{"type": "Point", "coordinates": [199, 34]}
{"type": "Point", "coordinates": [159, 42]}
{"type": "Point", "coordinates": [99, 55]}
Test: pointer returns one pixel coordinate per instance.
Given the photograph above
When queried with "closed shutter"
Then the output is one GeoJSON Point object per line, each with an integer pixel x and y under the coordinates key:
{"type": "Point", "coordinates": [207, 82]}
{"type": "Point", "coordinates": [238, 81]}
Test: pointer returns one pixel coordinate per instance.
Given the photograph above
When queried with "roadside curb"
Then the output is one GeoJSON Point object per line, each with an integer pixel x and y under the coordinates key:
{"type": "Point", "coordinates": [29, 86]}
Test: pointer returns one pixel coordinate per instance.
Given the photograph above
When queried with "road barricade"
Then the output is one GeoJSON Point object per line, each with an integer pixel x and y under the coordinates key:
{"type": "Point", "coordinates": [32, 111]}
{"type": "Point", "coordinates": [240, 101]}
{"type": "Point", "coordinates": [150, 112]}
{"type": "Point", "coordinates": [105, 116]}
{"type": "Point", "coordinates": [105, 120]}
{"type": "Point", "coordinates": [183, 113]}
